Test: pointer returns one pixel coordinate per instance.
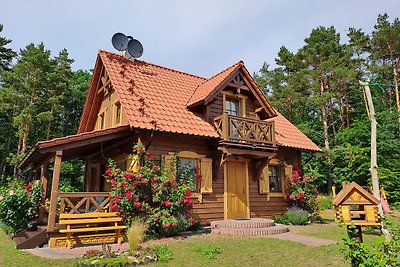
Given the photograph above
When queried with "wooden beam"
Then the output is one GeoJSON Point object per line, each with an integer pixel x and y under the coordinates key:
{"type": "Point", "coordinates": [44, 173]}
{"type": "Point", "coordinates": [54, 191]}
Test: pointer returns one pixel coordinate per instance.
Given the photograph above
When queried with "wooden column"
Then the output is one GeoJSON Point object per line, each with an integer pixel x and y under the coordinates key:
{"type": "Point", "coordinates": [44, 176]}
{"type": "Point", "coordinates": [54, 191]}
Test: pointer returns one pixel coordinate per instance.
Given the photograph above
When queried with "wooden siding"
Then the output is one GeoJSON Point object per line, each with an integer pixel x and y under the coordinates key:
{"type": "Point", "coordinates": [108, 108]}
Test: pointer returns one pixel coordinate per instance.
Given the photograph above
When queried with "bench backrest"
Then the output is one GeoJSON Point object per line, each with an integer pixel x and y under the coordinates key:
{"type": "Point", "coordinates": [89, 218]}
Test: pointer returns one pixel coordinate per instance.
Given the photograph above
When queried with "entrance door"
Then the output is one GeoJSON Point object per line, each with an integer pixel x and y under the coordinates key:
{"type": "Point", "coordinates": [236, 189]}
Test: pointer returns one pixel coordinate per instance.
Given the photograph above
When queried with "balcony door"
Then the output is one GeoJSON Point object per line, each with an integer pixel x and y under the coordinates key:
{"type": "Point", "coordinates": [232, 107]}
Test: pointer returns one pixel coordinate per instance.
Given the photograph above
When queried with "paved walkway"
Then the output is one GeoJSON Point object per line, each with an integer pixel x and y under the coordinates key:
{"type": "Point", "coordinates": [306, 240]}
{"type": "Point", "coordinates": [65, 253]}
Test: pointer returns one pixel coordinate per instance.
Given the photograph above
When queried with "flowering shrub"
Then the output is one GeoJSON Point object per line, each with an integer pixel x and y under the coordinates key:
{"type": "Point", "coordinates": [162, 203]}
{"type": "Point", "coordinates": [301, 192]}
{"type": "Point", "coordinates": [16, 206]}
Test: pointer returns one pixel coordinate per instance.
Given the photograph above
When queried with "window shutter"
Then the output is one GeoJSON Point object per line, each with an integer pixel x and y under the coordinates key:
{"type": "Point", "coordinates": [170, 165]}
{"type": "Point", "coordinates": [264, 181]}
{"type": "Point", "coordinates": [206, 173]}
{"type": "Point", "coordinates": [288, 174]}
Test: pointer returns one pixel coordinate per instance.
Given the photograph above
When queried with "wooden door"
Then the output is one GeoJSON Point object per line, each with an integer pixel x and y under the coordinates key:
{"type": "Point", "coordinates": [236, 189]}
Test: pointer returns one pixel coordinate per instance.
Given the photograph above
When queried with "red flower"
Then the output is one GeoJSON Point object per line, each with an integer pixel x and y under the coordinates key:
{"type": "Point", "coordinates": [123, 184]}
{"type": "Point", "coordinates": [115, 208]}
{"type": "Point", "coordinates": [173, 224]}
{"type": "Point", "coordinates": [136, 200]}
{"type": "Point", "coordinates": [156, 219]}
{"type": "Point", "coordinates": [167, 225]}
{"type": "Point", "coordinates": [175, 185]}
{"type": "Point", "coordinates": [117, 200]}
{"type": "Point", "coordinates": [141, 150]}
{"type": "Point", "coordinates": [149, 156]}
{"type": "Point", "coordinates": [128, 176]}
{"type": "Point", "coordinates": [113, 182]}
{"type": "Point", "coordinates": [167, 182]}
{"type": "Point", "coordinates": [128, 195]}
{"type": "Point", "coordinates": [137, 204]}
{"type": "Point", "coordinates": [139, 178]}
{"type": "Point", "coordinates": [108, 171]}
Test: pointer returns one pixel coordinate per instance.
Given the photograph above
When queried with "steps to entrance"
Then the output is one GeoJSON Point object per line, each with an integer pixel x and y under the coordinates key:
{"type": "Point", "coordinates": [30, 239]}
{"type": "Point", "coordinates": [248, 227]}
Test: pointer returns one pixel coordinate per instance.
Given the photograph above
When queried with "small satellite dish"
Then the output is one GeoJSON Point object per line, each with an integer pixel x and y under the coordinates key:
{"type": "Point", "coordinates": [120, 41]}
{"type": "Point", "coordinates": [135, 49]}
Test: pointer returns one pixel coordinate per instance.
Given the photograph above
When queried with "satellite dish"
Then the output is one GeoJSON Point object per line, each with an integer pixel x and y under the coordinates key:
{"type": "Point", "coordinates": [120, 41]}
{"type": "Point", "coordinates": [135, 49]}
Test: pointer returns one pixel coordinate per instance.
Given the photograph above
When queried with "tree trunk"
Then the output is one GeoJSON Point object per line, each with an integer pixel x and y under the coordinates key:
{"type": "Point", "coordinates": [396, 87]}
{"type": "Point", "coordinates": [374, 162]}
{"type": "Point", "coordinates": [326, 135]}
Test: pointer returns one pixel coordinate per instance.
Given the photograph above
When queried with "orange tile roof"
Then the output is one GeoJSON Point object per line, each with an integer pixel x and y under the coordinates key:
{"type": "Point", "coordinates": [204, 89]}
{"type": "Point", "coordinates": [288, 135]}
{"type": "Point", "coordinates": [155, 97]}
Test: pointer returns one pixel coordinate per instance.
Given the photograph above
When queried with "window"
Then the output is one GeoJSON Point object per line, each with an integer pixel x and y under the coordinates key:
{"type": "Point", "coordinates": [102, 120]}
{"type": "Point", "coordinates": [117, 113]}
{"type": "Point", "coordinates": [232, 107]}
{"type": "Point", "coordinates": [274, 179]}
{"type": "Point", "coordinates": [187, 168]}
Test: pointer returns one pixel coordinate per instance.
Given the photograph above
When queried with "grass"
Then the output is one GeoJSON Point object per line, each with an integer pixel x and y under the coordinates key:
{"type": "Point", "coordinates": [234, 251]}
{"type": "Point", "coordinates": [11, 257]}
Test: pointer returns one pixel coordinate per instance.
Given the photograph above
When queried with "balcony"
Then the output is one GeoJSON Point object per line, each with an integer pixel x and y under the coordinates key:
{"type": "Point", "coordinates": [245, 131]}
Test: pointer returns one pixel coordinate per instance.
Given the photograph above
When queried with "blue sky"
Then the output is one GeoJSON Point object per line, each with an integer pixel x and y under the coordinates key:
{"type": "Point", "coordinates": [199, 37]}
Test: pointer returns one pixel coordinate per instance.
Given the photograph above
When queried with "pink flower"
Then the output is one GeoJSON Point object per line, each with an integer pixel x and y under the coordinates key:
{"type": "Point", "coordinates": [173, 224]}
{"type": "Point", "coordinates": [136, 200]}
{"type": "Point", "coordinates": [128, 195]}
{"type": "Point", "coordinates": [166, 182]}
{"type": "Point", "coordinates": [137, 204]}
{"type": "Point", "coordinates": [139, 178]}
{"type": "Point", "coordinates": [117, 200]}
{"type": "Point", "coordinates": [167, 225]}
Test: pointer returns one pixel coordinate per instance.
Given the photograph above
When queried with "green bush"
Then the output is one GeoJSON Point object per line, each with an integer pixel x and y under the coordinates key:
{"type": "Point", "coordinates": [295, 216]}
{"type": "Point", "coordinates": [380, 254]}
{"type": "Point", "coordinates": [164, 253]}
{"type": "Point", "coordinates": [324, 202]}
{"type": "Point", "coordinates": [16, 206]}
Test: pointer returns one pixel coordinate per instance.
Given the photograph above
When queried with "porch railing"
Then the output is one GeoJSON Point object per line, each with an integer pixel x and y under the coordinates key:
{"type": "Point", "coordinates": [245, 130]}
{"type": "Point", "coordinates": [84, 202]}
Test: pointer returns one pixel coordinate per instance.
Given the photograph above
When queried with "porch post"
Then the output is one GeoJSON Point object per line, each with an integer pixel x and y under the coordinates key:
{"type": "Point", "coordinates": [54, 192]}
{"type": "Point", "coordinates": [44, 175]}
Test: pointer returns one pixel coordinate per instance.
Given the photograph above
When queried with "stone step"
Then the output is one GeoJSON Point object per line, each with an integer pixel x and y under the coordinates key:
{"type": "Point", "coordinates": [265, 231]}
{"type": "Point", "coordinates": [243, 223]}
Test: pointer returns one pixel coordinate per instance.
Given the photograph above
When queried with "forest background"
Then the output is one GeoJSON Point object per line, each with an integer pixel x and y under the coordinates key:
{"type": "Point", "coordinates": [315, 87]}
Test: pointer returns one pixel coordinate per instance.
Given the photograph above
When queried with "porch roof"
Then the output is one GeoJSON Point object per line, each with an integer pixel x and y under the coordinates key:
{"type": "Point", "coordinates": [75, 146]}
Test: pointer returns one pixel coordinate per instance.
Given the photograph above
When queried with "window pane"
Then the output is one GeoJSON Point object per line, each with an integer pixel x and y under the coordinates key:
{"type": "Point", "coordinates": [232, 107]}
{"type": "Point", "coordinates": [186, 170]}
{"type": "Point", "coordinates": [274, 179]}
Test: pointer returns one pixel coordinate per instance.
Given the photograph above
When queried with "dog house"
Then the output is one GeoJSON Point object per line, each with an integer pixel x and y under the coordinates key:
{"type": "Point", "coordinates": [354, 205]}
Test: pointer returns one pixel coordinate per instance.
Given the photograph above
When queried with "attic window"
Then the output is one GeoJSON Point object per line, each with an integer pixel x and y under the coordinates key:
{"type": "Point", "coordinates": [117, 113]}
{"type": "Point", "coordinates": [102, 120]}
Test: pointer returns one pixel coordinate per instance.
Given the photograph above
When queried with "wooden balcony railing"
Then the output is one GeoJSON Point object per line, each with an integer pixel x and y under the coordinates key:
{"type": "Point", "coordinates": [84, 202]}
{"type": "Point", "coordinates": [245, 130]}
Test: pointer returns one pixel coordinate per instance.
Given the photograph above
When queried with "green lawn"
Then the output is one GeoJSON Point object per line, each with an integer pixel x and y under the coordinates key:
{"type": "Point", "coordinates": [235, 251]}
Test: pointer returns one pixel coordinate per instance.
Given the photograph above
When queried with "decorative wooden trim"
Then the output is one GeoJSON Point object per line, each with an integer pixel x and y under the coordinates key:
{"type": "Point", "coordinates": [258, 167]}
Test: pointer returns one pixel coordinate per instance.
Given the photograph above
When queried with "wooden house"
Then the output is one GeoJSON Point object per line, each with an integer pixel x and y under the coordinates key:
{"type": "Point", "coordinates": [224, 125]}
{"type": "Point", "coordinates": [354, 205]}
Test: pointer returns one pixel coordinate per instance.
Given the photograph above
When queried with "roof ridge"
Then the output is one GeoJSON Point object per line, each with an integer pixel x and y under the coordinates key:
{"type": "Point", "coordinates": [155, 65]}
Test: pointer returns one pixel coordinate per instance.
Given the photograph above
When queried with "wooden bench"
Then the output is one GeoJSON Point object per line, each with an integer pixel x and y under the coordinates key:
{"type": "Point", "coordinates": [93, 223]}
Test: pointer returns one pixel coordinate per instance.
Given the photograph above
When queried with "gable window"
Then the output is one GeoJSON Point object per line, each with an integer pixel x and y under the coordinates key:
{"type": "Point", "coordinates": [102, 120]}
{"type": "Point", "coordinates": [117, 113]}
{"type": "Point", "coordinates": [232, 106]}
{"type": "Point", "coordinates": [275, 183]}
